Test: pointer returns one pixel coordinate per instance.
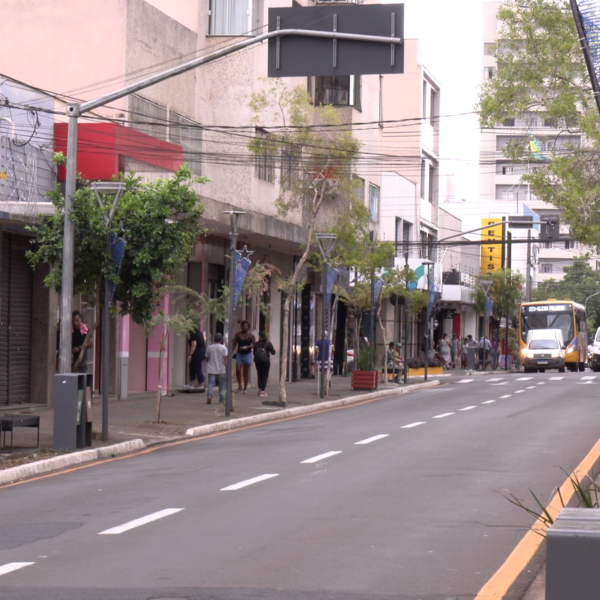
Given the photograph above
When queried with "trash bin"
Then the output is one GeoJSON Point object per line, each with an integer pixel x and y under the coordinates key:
{"type": "Point", "coordinates": [471, 358]}
{"type": "Point", "coordinates": [72, 411]}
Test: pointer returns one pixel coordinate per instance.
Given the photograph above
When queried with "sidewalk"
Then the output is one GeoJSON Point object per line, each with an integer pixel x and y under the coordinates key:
{"type": "Point", "coordinates": [135, 417]}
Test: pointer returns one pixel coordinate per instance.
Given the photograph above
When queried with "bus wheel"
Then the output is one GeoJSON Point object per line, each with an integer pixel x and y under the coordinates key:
{"type": "Point", "coordinates": [582, 366]}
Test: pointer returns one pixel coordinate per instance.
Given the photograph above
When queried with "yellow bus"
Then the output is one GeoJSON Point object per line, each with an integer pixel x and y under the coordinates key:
{"type": "Point", "coordinates": [566, 315]}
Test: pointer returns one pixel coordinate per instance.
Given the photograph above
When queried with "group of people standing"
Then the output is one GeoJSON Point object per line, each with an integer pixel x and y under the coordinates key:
{"type": "Point", "coordinates": [453, 352]}
{"type": "Point", "coordinates": [246, 350]}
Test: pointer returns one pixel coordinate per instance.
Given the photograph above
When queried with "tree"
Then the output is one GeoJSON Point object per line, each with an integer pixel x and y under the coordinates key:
{"type": "Point", "coordinates": [160, 220]}
{"type": "Point", "coordinates": [541, 70]}
{"type": "Point", "coordinates": [579, 282]}
{"type": "Point", "coordinates": [316, 171]}
{"type": "Point", "coordinates": [506, 292]}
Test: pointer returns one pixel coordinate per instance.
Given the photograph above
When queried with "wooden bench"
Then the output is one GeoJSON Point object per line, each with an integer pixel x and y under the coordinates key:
{"type": "Point", "coordinates": [11, 422]}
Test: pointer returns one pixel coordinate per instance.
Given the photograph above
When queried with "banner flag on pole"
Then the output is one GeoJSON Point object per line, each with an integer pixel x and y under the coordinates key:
{"type": "Point", "coordinates": [117, 251]}
{"type": "Point", "coordinates": [241, 266]}
{"type": "Point", "coordinates": [377, 287]}
{"type": "Point", "coordinates": [332, 275]}
{"type": "Point", "coordinates": [432, 293]}
{"type": "Point", "coordinates": [488, 308]}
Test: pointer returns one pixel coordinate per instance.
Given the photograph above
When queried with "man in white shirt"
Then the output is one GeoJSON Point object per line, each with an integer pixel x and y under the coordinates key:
{"type": "Point", "coordinates": [216, 367]}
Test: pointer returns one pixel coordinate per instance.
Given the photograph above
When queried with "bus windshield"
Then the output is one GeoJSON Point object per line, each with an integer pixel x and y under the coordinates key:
{"type": "Point", "coordinates": [558, 316]}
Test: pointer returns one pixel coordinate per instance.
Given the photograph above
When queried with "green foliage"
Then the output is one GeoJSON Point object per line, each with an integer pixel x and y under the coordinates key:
{"type": "Point", "coordinates": [363, 358]}
{"type": "Point", "coordinates": [579, 282]}
{"type": "Point", "coordinates": [541, 69]}
{"type": "Point", "coordinates": [506, 291]}
{"type": "Point", "coordinates": [160, 219]}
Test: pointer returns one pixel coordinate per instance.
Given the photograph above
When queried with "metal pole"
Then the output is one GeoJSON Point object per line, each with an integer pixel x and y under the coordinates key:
{"type": "Point", "coordinates": [485, 333]}
{"type": "Point", "coordinates": [406, 325]}
{"type": "Point", "coordinates": [528, 272]}
{"type": "Point", "coordinates": [394, 369]}
{"type": "Point", "coordinates": [372, 325]}
{"type": "Point", "coordinates": [427, 342]}
{"type": "Point", "coordinates": [105, 353]}
{"type": "Point", "coordinates": [68, 259]}
{"type": "Point", "coordinates": [232, 244]}
{"type": "Point", "coordinates": [506, 346]}
{"type": "Point", "coordinates": [323, 315]}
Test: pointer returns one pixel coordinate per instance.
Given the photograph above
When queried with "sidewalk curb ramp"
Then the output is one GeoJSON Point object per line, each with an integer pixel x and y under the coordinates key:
{"type": "Point", "coordinates": [277, 415]}
{"type": "Point", "coordinates": [68, 460]}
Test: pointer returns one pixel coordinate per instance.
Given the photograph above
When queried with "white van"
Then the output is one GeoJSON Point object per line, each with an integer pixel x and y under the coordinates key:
{"type": "Point", "coordinates": [545, 350]}
{"type": "Point", "coordinates": [546, 334]}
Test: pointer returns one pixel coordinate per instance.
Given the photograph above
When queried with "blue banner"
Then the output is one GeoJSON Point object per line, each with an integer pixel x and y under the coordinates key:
{"type": "Point", "coordinates": [376, 292]}
{"type": "Point", "coordinates": [432, 294]}
{"type": "Point", "coordinates": [332, 275]}
{"type": "Point", "coordinates": [241, 266]}
{"type": "Point", "coordinates": [117, 251]}
{"type": "Point", "coordinates": [489, 303]}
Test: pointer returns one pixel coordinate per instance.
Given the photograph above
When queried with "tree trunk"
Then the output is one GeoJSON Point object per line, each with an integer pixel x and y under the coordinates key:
{"type": "Point", "coordinates": [160, 374]}
{"type": "Point", "coordinates": [290, 290]}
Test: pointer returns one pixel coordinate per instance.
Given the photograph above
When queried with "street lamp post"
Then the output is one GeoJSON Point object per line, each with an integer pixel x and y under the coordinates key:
{"type": "Point", "coordinates": [406, 322]}
{"type": "Point", "coordinates": [233, 234]}
{"type": "Point", "coordinates": [586, 300]}
{"type": "Point", "coordinates": [485, 286]}
{"type": "Point", "coordinates": [107, 188]}
{"type": "Point", "coordinates": [427, 263]}
{"type": "Point", "coordinates": [326, 243]}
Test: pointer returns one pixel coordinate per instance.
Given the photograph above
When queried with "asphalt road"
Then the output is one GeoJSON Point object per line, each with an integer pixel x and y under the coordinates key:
{"type": "Point", "coordinates": [260, 513]}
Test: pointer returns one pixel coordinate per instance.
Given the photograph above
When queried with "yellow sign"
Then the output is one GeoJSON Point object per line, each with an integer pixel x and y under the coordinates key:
{"type": "Point", "coordinates": [491, 254]}
{"type": "Point", "coordinates": [3, 175]}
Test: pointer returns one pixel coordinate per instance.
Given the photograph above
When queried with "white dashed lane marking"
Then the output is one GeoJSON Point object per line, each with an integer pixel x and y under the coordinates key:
{"type": "Point", "coordinates": [507, 396]}
{"type": "Point", "coordinates": [541, 383]}
{"type": "Point", "coordinates": [524, 378]}
{"type": "Point", "coordinates": [519, 391]}
{"type": "Point", "coordinates": [161, 514]}
{"type": "Point", "coordinates": [14, 566]}
{"type": "Point", "coordinates": [531, 387]}
{"type": "Point", "coordinates": [467, 408]}
{"type": "Point", "coordinates": [372, 439]}
{"type": "Point", "coordinates": [247, 482]}
{"type": "Point", "coordinates": [411, 425]}
{"type": "Point", "coordinates": [443, 415]}
{"type": "Point", "coordinates": [588, 377]}
{"type": "Point", "coordinates": [488, 402]}
{"type": "Point", "coordinates": [315, 459]}
{"type": "Point", "coordinates": [465, 381]}
{"type": "Point", "coordinates": [556, 378]}
{"type": "Point", "coordinates": [503, 383]}
{"type": "Point", "coordinates": [495, 379]}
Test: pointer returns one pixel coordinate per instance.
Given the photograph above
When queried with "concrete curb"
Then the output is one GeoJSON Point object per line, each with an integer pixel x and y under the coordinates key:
{"type": "Point", "coordinates": [277, 415]}
{"type": "Point", "coordinates": [68, 460]}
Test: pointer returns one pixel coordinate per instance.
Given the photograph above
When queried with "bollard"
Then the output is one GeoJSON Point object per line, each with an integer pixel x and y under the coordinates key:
{"type": "Point", "coordinates": [573, 555]}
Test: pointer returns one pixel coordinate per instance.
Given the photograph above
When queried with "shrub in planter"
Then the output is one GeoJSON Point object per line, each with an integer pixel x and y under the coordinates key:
{"type": "Point", "coordinates": [419, 363]}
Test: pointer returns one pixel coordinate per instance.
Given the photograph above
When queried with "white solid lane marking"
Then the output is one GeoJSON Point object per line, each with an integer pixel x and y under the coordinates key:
{"type": "Point", "coordinates": [141, 521]}
{"type": "Point", "coordinates": [247, 482]}
{"type": "Point", "coordinates": [507, 396]}
{"type": "Point", "coordinates": [315, 459]}
{"type": "Point", "coordinates": [588, 377]}
{"type": "Point", "coordinates": [503, 383]}
{"type": "Point", "coordinates": [443, 415]}
{"type": "Point", "coordinates": [372, 439]}
{"type": "Point", "coordinates": [411, 425]}
{"type": "Point", "coordinates": [488, 402]}
{"type": "Point", "coordinates": [465, 381]}
{"type": "Point", "coordinates": [467, 408]}
{"type": "Point", "coordinates": [524, 378]}
{"type": "Point", "coordinates": [495, 379]}
{"type": "Point", "coordinates": [10, 567]}
{"type": "Point", "coordinates": [556, 378]}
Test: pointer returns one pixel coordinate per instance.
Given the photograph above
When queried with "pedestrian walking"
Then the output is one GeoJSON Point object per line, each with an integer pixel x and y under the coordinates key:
{"type": "Point", "coordinates": [244, 341]}
{"type": "Point", "coordinates": [216, 368]}
{"type": "Point", "coordinates": [263, 350]}
{"type": "Point", "coordinates": [454, 350]}
{"type": "Point", "coordinates": [196, 356]}
{"type": "Point", "coordinates": [78, 343]}
{"type": "Point", "coordinates": [445, 350]}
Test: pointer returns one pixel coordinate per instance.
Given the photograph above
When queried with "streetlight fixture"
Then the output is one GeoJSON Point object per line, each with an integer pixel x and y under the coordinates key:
{"type": "Point", "coordinates": [107, 188]}
{"type": "Point", "coordinates": [485, 286]}
{"type": "Point", "coordinates": [586, 300]}
{"type": "Point", "coordinates": [427, 263]}
{"type": "Point", "coordinates": [233, 234]}
{"type": "Point", "coordinates": [326, 243]}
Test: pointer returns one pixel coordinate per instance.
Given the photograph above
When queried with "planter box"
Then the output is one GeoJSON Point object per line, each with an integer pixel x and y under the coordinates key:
{"type": "Point", "coordinates": [421, 372]}
{"type": "Point", "coordinates": [365, 380]}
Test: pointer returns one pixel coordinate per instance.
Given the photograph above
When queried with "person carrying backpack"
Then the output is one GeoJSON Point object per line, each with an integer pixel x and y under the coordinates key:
{"type": "Point", "coordinates": [263, 350]}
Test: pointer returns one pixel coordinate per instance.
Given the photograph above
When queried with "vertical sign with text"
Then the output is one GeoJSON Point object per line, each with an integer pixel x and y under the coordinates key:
{"type": "Point", "coordinates": [491, 254]}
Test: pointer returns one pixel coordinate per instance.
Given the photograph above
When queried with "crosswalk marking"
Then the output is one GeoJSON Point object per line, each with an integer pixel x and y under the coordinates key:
{"type": "Point", "coordinates": [14, 566]}
{"type": "Point", "coordinates": [495, 379]}
{"type": "Point", "coordinates": [465, 381]}
{"type": "Point", "coordinates": [524, 378]}
{"type": "Point", "coordinates": [503, 383]}
{"type": "Point", "coordinates": [556, 378]}
{"type": "Point", "coordinates": [588, 377]}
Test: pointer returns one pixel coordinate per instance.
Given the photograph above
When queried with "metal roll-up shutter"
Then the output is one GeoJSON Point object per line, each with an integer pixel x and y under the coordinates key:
{"type": "Point", "coordinates": [19, 338]}
{"type": "Point", "coordinates": [4, 270]}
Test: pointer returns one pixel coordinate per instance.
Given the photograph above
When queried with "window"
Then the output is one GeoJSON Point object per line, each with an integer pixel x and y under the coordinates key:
{"type": "Point", "coordinates": [342, 90]}
{"type": "Point", "coordinates": [431, 184]}
{"type": "Point", "coordinates": [406, 231]}
{"type": "Point", "coordinates": [398, 234]}
{"type": "Point", "coordinates": [423, 245]}
{"type": "Point", "coordinates": [187, 134]}
{"type": "Point", "coordinates": [489, 72]}
{"type": "Point", "coordinates": [374, 202]}
{"type": "Point", "coordinates": [360, 189]}
{"type": "Point", "coordinates": [508, 170]}
{"type": "Point", "coordinates": [570, 245]}
{"type": "Point", "coordinates": [546, 268]}
{"type": "Point", "coordinates": [230, 17]}
{"type": "Point", "coordinates": [489, 49]}
{"type": "Point", "coordinates": [508, 122]}
{"type": "Point", "coordinates": [432, 107]}
{"type": "Point", "coordinates": [423, 172]}
{"type": "Point", "coordinates": [289, 169]}
{"type": "Point", "coordinates": [424, 99]}
{"type": "Point", "coordinates": [265, 160]}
